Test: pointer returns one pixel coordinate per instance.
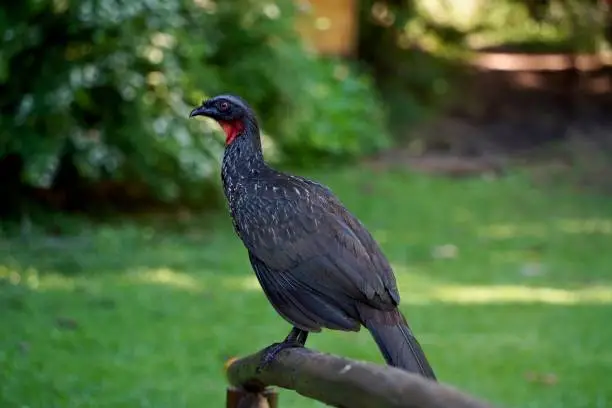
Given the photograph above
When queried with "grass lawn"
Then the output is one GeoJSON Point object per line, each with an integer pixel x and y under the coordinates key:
{"type": "Point", "coordinates": [507, 286]}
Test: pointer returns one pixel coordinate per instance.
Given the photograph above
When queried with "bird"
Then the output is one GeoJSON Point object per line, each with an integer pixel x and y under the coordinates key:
{"type": "Point", "coordinates": [316, 262]}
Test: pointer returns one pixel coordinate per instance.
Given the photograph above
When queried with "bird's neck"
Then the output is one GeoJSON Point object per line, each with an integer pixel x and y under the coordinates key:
{"type": "Point", "coordinates": [243, 157]}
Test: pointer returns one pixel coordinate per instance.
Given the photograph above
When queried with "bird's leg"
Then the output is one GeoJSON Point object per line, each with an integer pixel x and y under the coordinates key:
{"type": "Point", "coordinates": [295, 338]}
{"type": "Point", "coordinates": [300, 337]}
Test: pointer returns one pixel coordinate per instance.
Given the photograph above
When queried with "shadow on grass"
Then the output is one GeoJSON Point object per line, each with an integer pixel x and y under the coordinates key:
{"type": "Point", "coordinates": [122, 246]}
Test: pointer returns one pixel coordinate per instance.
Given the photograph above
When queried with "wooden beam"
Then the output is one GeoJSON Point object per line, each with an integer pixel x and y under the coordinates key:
{"type": "Point", "coordinates": [341, 382]}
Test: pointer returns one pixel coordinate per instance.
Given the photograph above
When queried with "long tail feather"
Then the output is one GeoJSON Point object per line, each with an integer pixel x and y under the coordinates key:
{"type": "Point", "coordinates": [399, 346]}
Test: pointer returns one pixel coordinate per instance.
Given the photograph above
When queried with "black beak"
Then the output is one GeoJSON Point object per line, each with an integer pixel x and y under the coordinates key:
{"type": "Point", "coordinates": [200, 111]}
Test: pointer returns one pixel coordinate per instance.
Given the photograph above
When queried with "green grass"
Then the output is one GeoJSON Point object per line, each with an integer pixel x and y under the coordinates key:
{"type": "Point", "coordinates": [132, 315]}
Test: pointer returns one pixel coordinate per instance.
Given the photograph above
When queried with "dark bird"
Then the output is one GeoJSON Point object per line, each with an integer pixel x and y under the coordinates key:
{"type": "Point", "coordinates": [317, 264]}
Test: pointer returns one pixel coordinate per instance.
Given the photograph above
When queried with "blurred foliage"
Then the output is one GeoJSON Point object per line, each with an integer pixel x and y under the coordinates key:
{"type": "Point", "coordinates": [416, 48]}
{"type": "Point", "coordinates": [105, 86]}
{"type": "Point", "coordinates": [555, 25]}
{"type": "Point", "coordinates": [415, 78]}
{"type": "Point", "coordinates": [98, 90]}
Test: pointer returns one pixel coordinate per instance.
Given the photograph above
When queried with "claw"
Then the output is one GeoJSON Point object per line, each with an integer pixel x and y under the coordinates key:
{"type": "Point", "coordinates": [272, 351]}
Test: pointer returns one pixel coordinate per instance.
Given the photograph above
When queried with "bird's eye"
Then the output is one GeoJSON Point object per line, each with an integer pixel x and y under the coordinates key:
{"type": "Point", "coordinates": [223, 106]}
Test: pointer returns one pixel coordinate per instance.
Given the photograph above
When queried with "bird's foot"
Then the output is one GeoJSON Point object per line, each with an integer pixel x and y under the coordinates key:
{"type": "Point", "coordinates": [270, 352]}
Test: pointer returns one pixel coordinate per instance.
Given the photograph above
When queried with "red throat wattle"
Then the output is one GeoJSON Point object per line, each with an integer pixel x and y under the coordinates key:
{"type": "Point", "coordinates": [231, 129]}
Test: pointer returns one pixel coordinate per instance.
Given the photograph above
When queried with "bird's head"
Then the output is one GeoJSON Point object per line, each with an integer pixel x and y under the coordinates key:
{"type": "Point", "coordinates": [231, 112]}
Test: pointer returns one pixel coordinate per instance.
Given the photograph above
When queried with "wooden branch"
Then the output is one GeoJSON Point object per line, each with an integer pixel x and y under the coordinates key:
{"type": "Point", "coordinates": [345, 383]}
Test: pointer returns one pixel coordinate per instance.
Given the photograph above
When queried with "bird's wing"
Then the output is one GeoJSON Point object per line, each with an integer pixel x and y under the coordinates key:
{"type": "Point", "coordinates": [300, 304]}
{"type": "Point", "coordinates": [303, 235]}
